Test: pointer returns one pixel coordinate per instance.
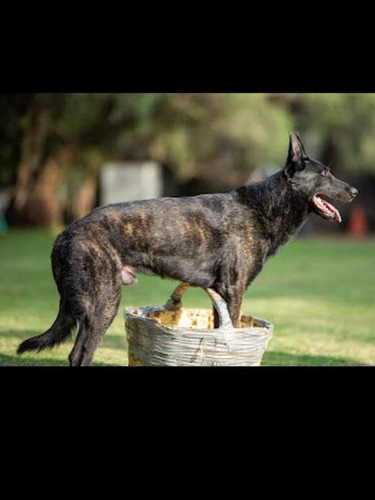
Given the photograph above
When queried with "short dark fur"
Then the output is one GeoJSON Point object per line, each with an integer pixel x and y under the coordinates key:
{"type": "Point", "coordinates": [219, 241]}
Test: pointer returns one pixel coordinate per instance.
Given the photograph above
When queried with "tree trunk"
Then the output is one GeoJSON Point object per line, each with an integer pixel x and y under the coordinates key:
{"type": "Point", "coordinates": [42, 206]}
{"type": "Point", "coordinates": [32, 149]}
{"type": "Point", "coordinates": [84, 200]}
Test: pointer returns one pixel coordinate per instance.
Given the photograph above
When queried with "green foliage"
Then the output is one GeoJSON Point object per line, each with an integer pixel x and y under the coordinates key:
{"type": "Point", "coordinates": [347, 120]}
{"type": "Point", "coordinates": [257, 125]}
{"type": "Point", "coordinates": [196, 134]}
{"type": "Point", "coordinates": [12, 116]}
{"type": "Point", "coordinates": [80, 114]}
{"type": "Point", "coordinates": [192, 131]}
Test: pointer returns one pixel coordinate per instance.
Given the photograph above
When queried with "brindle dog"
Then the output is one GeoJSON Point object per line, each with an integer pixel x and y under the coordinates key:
{"type": "Point", "coordinates": [217, 241]}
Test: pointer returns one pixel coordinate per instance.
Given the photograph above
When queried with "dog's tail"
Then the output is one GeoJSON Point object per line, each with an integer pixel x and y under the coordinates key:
{"type": "Point", "coordinates": [59, 331]}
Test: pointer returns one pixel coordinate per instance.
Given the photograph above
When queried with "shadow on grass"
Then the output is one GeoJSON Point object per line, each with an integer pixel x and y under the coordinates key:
{"type": "Point", "coordinates": [7, 360]}
{"type": "Point", "coordinates": [111, 341]}
{"type": "Point", "coordinates": [277, 358]}
{"type": "Point", "coordinates": [269, 359]}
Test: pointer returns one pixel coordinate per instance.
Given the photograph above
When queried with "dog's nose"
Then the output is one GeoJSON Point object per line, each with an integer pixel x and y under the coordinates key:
{"type": "Point", "coordinates": [353, 192]}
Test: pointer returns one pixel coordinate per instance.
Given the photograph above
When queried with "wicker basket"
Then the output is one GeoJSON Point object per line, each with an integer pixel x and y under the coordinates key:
{"type": "Point", "coordinates": [174, 336]}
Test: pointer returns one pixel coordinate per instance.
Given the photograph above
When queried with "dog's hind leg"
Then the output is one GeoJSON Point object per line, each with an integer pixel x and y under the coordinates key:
{"type": "Point", "coordinates": [93, 327]}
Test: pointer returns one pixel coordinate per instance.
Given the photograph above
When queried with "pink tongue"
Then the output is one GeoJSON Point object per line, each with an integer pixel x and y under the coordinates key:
{"type": "Point", "coordinates": [334, 210]}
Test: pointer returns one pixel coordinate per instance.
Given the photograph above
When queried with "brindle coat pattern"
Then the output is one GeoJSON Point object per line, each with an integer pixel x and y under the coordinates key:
{"type": "Point", "coordinates": [218, 241]}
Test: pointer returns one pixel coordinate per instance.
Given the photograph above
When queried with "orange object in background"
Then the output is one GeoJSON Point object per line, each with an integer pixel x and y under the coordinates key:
{"type": "Point", "coordinates": [357, 226]}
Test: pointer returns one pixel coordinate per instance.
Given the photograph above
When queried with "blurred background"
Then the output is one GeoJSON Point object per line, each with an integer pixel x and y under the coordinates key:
{"type": "Point", "coordinates": [63, 154]}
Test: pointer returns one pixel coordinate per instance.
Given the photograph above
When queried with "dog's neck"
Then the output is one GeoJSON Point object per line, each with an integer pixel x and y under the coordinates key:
{"type": "Point", "coordinates": [277, 207]}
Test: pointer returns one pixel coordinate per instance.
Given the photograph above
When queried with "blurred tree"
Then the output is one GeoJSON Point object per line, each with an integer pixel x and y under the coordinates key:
{"type": "Point", "coordinates": [345, 123]}
{"type": "Point", "coordinates": [64, 138]}
{"type": "Point", "coordinates": [62, 141]}
{"type": "Point", "coordinates": [52, 145]}
{"type": "Point", "coordinates": [60, 135]}
{"type": "Point", "coordinates": [216, 137]}
{"type": "Point", "coordinates": [12, 111]}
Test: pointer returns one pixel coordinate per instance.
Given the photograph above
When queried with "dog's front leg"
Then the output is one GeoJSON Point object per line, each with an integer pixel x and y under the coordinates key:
{"type": "Point", "coordinates": [232, 295]}
{"type": "Point", "coordinates": [234, 307]}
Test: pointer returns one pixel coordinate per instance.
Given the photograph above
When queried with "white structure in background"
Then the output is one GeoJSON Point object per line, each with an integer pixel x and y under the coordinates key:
{"type": "Point", "coordinates": [129, 181]}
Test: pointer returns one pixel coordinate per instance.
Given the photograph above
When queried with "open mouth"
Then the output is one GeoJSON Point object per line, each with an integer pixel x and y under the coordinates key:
{"type": "Point", "coordinates": [325, 208]}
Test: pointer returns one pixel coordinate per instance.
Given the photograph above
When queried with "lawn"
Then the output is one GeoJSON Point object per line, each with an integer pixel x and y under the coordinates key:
{"type": "Point", "coordinates": [319, 294]}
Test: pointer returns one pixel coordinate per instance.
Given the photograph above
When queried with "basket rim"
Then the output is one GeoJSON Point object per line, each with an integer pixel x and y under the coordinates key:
{"type": "Point", "coordinates": [265, 328]}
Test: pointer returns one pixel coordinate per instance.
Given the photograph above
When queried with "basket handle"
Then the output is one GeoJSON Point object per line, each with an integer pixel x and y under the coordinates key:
{"type": "Point", "coordinates": [174, 303]}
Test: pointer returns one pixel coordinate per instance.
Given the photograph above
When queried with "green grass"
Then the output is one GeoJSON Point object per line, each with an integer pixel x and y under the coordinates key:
{"type": "Point", "coordinates": [319, 294]}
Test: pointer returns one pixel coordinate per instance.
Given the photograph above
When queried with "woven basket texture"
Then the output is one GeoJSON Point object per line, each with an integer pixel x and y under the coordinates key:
{"type": "Point", "coordinates": [172, 335]}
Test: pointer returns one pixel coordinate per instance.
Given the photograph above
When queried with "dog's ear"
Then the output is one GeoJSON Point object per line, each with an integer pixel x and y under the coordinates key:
{"type": "Point", "coordinates": [304, 155]}
{"type": "Point", "coordinates": [296, 154]}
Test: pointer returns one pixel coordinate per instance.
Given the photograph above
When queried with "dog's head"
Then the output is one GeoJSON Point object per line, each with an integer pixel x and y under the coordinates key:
{"type": "Point", "coordinates": [312, 180]}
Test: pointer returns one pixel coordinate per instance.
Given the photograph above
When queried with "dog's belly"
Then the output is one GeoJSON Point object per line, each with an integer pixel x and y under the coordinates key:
{"type": "Point", "coordinates": [197, 273]}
